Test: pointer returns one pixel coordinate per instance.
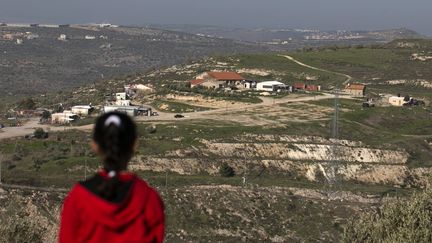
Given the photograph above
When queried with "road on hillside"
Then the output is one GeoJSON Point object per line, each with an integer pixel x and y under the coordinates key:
{"type": "Point", "coordinates": [348, 77]}
{"type": "Point", "coordinates": [267, 102]}
{"type": "Point", "coordinates": [29, 127]}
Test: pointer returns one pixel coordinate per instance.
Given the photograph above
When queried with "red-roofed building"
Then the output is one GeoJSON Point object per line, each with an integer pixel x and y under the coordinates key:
{"type": "Point", "coordinates": [311, 87]}
{"type": "Point", "coordinates": [357, 90]}
{"type": "Point", "coordinates": [221, 79]}
{"type": "Point", "coordinates": [226, 76]}
{"type": "Point", "coordinates": [299, 86]}
{"type": "Point", "coordinates": [196, 82]}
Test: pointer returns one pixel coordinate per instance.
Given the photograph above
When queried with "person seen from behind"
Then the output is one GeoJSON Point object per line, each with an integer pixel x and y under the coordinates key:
{"type": "Point", "coordinates": [114, 205]}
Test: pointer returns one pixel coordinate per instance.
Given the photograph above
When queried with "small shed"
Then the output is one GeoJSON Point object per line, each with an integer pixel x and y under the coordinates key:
{"type": "Point", "coordinates": [357, 90]}
{"type": "Point", "coordinates": [82, 110]}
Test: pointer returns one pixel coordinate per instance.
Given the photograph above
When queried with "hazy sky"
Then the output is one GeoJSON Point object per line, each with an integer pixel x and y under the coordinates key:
{"type": "Point", "coordinates": [321, 14]}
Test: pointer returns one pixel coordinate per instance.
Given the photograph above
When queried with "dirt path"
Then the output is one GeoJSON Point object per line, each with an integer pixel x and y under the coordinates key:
{"type": "Point", "coordinates": [349, 78]}
{"type": "Point", "coordinates": [267, 102]}
{"type": "Point", "coordinates": [29, 127]}
{"type": "Point", "coordinates": [34, 188]}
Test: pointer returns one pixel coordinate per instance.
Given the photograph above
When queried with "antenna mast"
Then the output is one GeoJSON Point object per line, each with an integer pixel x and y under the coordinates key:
{"type": "Point", "coordinates": [335, 137]}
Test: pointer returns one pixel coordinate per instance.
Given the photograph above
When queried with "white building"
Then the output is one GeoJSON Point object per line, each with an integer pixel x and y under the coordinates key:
{"type": "Point", "coordinates": [49, 25]}
{"type": "Point", "coordinates": [62, 37]}
{"type": "Point", "coordinates": [129, 110]}
{"type": "Point", "coordinates": [121, 96]}
{"type": "Point", "coordinates": [63, 118]}
{"type": "Point", "coordinates": [82, 110]}
{"type": "Point", "coordinates": [107, 25]}
{"type": "Point", "coordinates": [123, 102]}
{"type": "Point", "coordinates": [31, 36]}
{"type": "Point", "coordinates": [131, 88]}
{"type": "Point", "coordinates": [270, 86]}
{"type": "Point", "coordinates": [18, 25]}
{"type": "Point", "coordinates": [397, 101]}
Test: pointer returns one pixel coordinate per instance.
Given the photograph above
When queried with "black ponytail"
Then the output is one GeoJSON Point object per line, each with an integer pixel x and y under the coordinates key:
{"type": "Point", "coordinates": [115, 134]}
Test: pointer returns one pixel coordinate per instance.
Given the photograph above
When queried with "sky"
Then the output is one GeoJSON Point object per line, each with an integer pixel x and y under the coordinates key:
{"type": "Point", "coordinates": [316, 14]}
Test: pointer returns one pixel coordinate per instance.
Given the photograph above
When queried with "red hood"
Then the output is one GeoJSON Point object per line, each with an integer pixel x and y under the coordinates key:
{"type": "Point", "coordinates": [113, 215]}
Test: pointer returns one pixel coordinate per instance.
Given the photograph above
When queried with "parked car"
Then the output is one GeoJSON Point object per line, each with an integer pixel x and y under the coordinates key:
{"type": "Point", "coordinates": [1, 126]}
{"type": "Point", "coordinates": [178, 116]}
{"type": "Point", "coordinates": [368, 104]}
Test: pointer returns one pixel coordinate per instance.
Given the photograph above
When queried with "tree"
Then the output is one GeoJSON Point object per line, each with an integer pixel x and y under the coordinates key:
{"type": "Point", "coordinates": [151, 129]}
{"type": "Point", "coordinates": [27, 104]}
{"type": "Point", "coordinates": [46, 115]}
{"type": "Point", "coordinates": [39, 133]}
{"type": "Point", "coordinates": [226, 171]}
{"type": "Point", "coordinates": [398, 220]}
{"type": "Point", "coordinates": [58, 109]}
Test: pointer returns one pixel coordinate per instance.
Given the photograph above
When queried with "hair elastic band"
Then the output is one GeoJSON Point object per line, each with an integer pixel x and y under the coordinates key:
{"type": "Point", "coordinates": [113, 119]}
{"type": "Point", "coordinates": [111, 174]}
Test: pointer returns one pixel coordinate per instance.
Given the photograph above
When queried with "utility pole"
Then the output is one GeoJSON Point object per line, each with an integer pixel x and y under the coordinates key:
{"type": "Point", "coordinates": [1, 161]}
{"type": "Point", "coordinates": [85, 169]}
{"type": "Point", "coordinates": [166, 180]}
{"type": "Point", "coordinates": [335, 136]}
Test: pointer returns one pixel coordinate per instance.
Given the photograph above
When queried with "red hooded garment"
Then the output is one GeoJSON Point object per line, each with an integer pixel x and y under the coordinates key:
{"type": "Point", "coordinates": [87, 217]}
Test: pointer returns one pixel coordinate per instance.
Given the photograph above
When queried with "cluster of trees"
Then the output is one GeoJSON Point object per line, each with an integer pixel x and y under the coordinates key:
{"type": "Point", "coordinates": [226, 171]}
{"type": "Point", "coordinates": [27, 104]}
{"type": "Point", "coordinates": [340, 47]}
{"type": "Point", "coordinates": [399, 220]}
{"type": "Point", "coordinates": [39, 133]}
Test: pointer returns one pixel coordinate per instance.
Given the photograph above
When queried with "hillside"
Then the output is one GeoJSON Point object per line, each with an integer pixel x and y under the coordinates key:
{"type": "Point", "coordinates": [42, 63]}
{"type": "Point", "coordinates": [387, 68]}
{"type": "Point", "coordinates": [295, 38]}
{"type": "Point", "coordinates": [288, 167]}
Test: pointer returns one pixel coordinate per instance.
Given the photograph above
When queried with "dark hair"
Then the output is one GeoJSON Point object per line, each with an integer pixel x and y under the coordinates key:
{"type": "Point", "coordinates": [115, 133]}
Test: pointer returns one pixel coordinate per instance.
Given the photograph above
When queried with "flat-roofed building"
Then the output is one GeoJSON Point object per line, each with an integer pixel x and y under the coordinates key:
{"type": "Point", "coordinates": [397, 101]}
{"type": "Point", "coordinates": [65, 117]}
{"type": "Point", "coordinates": [357, 90]}
{"type": "Point", "coordinates": [82, 110]}
{"type": "Point", "coordinates": [129, 110]}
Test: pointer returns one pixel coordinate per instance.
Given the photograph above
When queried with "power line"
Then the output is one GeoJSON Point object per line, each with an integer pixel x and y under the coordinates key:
{"type": "Point", "coordinates": [335, 136]}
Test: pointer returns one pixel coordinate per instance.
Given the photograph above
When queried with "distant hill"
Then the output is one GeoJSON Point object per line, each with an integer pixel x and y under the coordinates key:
{"type": "Point", "coordinates": [295, 36]}
{"type": "Point", "coordinates": [43, 63]}
{"type": "Point", "coordinates": [421, 45]}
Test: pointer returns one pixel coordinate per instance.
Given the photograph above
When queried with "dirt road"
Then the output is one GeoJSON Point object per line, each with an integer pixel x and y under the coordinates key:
{"type": "Point", "coordinates": [29, 127]}
{"type": "Point", "coordinates": [349, 78]}
{"type": "Point", "coordinates": [267, 102]}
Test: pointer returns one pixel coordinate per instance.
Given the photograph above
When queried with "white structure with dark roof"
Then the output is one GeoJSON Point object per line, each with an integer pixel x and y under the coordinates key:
{"type": "Point", "coordinates": [82, 110]}
{"type": "Point", "coordinates": [63, 118]}
{"type": "Point", "coordinates": [397, 101]}
{"type": "Point", "coordinates": [270, 86]}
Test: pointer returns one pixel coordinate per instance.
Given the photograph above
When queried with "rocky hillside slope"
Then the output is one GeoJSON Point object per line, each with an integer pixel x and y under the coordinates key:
{"type": "Point", "coordinates": [43, 63]}
{"type": "Point", "coordinates": [313, 158]}
{"type": "Point", "coordinates": [203, 213]}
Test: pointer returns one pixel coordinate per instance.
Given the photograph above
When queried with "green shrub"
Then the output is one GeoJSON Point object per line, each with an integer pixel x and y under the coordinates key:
{"type": "Point", "coordinates": [226, 171]}
{"type": "Point", "coordinates": [400, 220]}
{"type": "Point", "coordinates": [39, 133]}
{"type": "Point", "coordinates": [27, 104]}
